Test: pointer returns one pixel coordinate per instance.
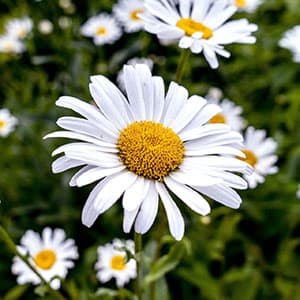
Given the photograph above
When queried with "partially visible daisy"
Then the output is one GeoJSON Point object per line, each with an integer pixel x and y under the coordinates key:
{"type": "Point", "coordinates": [143, 146]}
{"type": "Point", "coordinates": [259, 151]}
{"type": "Point", "coordinates": [51, 254]}
{"type": "Point", "coordinates": [291, 41]}
{"type": "Point", "coordinates": [230, 114]}
{"type": "Point", "coordinates": [113, 262]}
{"type": "Point", "coordinates": [7, 122]}
{"type": "Point", "coordinates": [298, 191]}
{"type": "Point", "coordinates": [247, 5]}
{"type": "Point", "coordinates": [198, 25]}
{"type": "Point", "coordinates": [127, 13]}
{"type": "Point", "coordinates": [19, 28]}
{"type": "Point", "coordinates": [11, 45]}
{"type": "Point", "coordinates": [103, 28]}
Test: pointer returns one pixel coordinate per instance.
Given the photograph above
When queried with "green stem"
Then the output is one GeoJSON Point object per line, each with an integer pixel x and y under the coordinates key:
{"type": "Point", "coordinates": [4, 236]}
{"type": "Point", "coordinates": [139, 278]}
{"type": "Point", "coordinates": [185, 53]}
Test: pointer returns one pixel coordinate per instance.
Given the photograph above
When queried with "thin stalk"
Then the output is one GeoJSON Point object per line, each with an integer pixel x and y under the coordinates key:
{"type": "Point", "coordinates": [4, 236]}
{"type": "Point", "coordinates": [185, 53]}
{"type": "Point", "coordinates": [139, 278]}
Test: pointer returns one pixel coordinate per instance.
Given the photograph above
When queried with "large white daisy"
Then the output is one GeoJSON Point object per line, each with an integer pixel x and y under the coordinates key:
{"type": "Point", "coordinates": [291, 41]}
{"type": "Point", "coordinates": [7, 122]}
{"type": "Point", "coordinates": [146, 145]}
{"type": "Point", "coordinates": [113, 262]}
{"type": "Point", "coordinates": [51, 254]}
{"type": "Point", "coordinates": [259, 151]}
{"type": "Point", "coordinates": [103, 28]}
{"type": "Point", "coordinates": [19, 28]}
{"type": "Point", "coordinates": [247, 5]}
{"type": "Point", "coordinates": [127, 12]}
{"type": "Point", "coordinates": [198, 25]}
{"type": "Point", "coordinates": [11, 45]}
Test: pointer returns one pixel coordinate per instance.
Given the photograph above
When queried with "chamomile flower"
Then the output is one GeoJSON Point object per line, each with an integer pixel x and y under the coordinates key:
{"type": "Point", "coordinates": [246, 5]}
{"type": "Point", "coordinates": [291, 41]}
{"type": "Point", "coordinates": [259, 151]}
{"type": "Point", "coordinates": [198, 25]}
{"type": "Point", "coordinates": [45, 26]}
{"type": "Point", "coordinates": [127, 13]}
{"type": "Point", "coordinates": [142, 146]}
{"type": "Point", "coordinates": [7, 122]}
{"type": "Point", "coordinates": [102, 28]}
{"type": "Point", "coordinates": [113, 262]}
{"type": "Point", "coordinates": [51, 254]}
{"type": "Point", "coordinates": [19, 28]}
{"type": "Point", "coordinates": [230, 114]}
{"type": "Point", "coordinates": [11, 45]}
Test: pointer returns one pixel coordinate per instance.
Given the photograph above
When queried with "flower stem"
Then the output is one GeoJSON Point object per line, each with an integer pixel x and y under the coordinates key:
{"type": "Point", "coordinates": [139, 278]}
{"type": "Point", "coordinates": [185, 53]}
{"type": "Point", "coordinates": [4, 236]}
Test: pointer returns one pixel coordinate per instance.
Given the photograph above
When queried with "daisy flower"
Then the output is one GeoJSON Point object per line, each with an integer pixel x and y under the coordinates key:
{"type": "Point", "coordinates": [51, 254]}
{"type": "Point", "coordinates": [127, 13]}
{"type": "Point", "coordinates": [198, 25]}
{"type": "Point", "coordinates": [246, 5]}
{"type": "Point", "coordinates": [102, 28]}
{"type": "Point", "coordinates": [112, 262]}
{"type": "Point", "coordinates": [143, 146]}
{"type": "Point", "coordinates": [230, 114]}
{"type": "Point", "coordinates": [7, 122]}
{"type": "Point", "coordinates": [19, 28]}
{"type": "Point", "coordinates": [10, 45]}
{"type": "Point", "coordinates": [291, 41]}
{"type": "Point", "coordinates": [259, 151]}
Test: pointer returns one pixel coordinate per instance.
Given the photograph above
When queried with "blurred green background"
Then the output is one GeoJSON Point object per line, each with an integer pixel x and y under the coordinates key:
{"type": "Point", "coordinates": [251, 253]}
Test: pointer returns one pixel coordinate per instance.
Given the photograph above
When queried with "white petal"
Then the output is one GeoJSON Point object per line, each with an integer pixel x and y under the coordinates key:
{"type": "Point", "coordinates": [64, 163]}
{"type": "Point", "coordinates": [128, 219]}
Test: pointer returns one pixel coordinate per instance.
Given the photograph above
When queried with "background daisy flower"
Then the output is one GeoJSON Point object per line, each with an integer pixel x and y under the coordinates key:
{"type": "Point", "coordinates": [7, 122]}
{"type": "Point", "coordinates": [51, 254]}
{"type": "Point", "coordinates": [259, 151]}
{"type": "Point", "coordinates": [11, 45]}
{"type": "Point", "coordinates": [103, 28]}
{"type": "Point", "coordinates": [198, 25]}
{"type": "Point", "coordinates": [144, 146]}
{"type": "Point", "coordinates": [127, 13]}
{"type": "Point", "coordinates": [247, 5]}
{"type": "Point", "coordinates": [19, 28]}
{"type": "Point", "coordinates": [113, 262]}
{"type": "Point", "coordinates": [291, 41]}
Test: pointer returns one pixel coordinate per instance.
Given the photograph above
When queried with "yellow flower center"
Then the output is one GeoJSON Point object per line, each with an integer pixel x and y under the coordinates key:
{"type": "Point", "coordinates": [134, 14]}
{"type": "Point", "coordinates": [8, 47]}
{"type": "Point", "coordinates": [2, 124]}
{"type": "Point", "coordinates": [149, 149]}
{"type": "Point", "coordinates": [250, 158]}
{"type": "Point", "coordinates": [218, 119]}
{"type": "Point", "coordinates": [45, 259]}
{"type": "Point", "coordinates": [101, 31]}
{"type": "Point", "coordinates": [22, 33]}
{"type": "Point", "coordinates": [240, 3]}
{"type": "Point", "coordinates": [190, 26]}
{"type": "Point", "coordinates": [118, 262]}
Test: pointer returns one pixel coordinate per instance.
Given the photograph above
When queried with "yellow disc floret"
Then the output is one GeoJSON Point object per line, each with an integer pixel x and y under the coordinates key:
{"type": "Point", "coordinates": [45, 259]}
{"type": "Point", "coordinates": [190, 27]}
{"type": "Point", "coordinates": [250, 158]}
{"type": "Point", "coordinates": [218, 119]}
{"type": "Point", "coordinates": [149, 149]}
{"type": "Point", "coordinates": [101, 31]}
{"type": "Point", "coordinates": [118, 262]}
{"type": "Point", "coordinates": [2, 124]}
{"type": "Point", "coordinates": [240, 3]}
{"type": "Point", "coordinates": [134, 14]}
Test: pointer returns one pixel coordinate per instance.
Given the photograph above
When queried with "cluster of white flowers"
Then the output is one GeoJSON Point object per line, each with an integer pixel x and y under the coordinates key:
{"type": "Point", "coordinates": [16, 31]}
{"type": "Point", "coordinates": [7, 122]}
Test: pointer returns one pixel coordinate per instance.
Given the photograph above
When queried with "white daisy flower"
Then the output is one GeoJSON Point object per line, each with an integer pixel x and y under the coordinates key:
{"type": "Point", "coordinates": [19, 28]}
{"type": "Point", "coordinates": [291, 41]}
{"type": "Point", "coordinates": [298, 191]}
{"type": "Point", "coordinates": [7, 122]}
{"type": "Point", "coordinates": [230, 114]}
{"type": "Point", "coordinates": [113, 262]}
{"type": "Point", "coordinates": [45, 26]}
{"type": "Point", "coordinates": [259, 151]}
{"type": "Point", "coordinates": [198, 25]}
{"type": "Point", "coordinates": [11, 45]}
{"type": "Point", "coordinates": [102, 28]}
{"type": "Point", "coordinates": [51, 254]}
{"type": "Point", "coordinates": [143, 146]}
{"type": "Point", "coordinates": [127, 13]}
{"type": "Point", "coordinates": [247, 5]}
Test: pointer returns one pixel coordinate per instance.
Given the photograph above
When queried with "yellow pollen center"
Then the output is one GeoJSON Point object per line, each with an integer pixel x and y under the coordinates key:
{"type": "Point", "coordinates": [149, 149]}
{"type": "Point", "coordinates": [22, 33]}
{"type": "Point", "coordinates": [240, 3]}
{"type": "Point", "coordinates": [250, 158]}
{"type": "Point", "coordinates": [45, 259]}
{"type": "Point", "coordinates": [118, 262]}
{"type": "Point", "coordinates": [2, 124]}
{"type": "Point", "coordinates": [134, 14]}
{"type": "Point", "coordinates": [218, 119]}
{"type": "Point", "coordinates": [190, 26]}
{"type": "Point", "coordinates": [101, 31]}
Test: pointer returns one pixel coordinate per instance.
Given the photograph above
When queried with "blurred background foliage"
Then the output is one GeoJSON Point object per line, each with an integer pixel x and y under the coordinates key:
{"type": "Point", "coordinates": [251, 253]}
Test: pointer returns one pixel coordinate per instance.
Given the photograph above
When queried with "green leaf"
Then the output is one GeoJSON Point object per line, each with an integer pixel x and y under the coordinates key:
{"type": "Point", "coordinates": [16, 292]}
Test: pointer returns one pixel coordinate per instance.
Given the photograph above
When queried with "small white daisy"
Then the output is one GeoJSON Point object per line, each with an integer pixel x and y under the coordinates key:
{"type": "Point", "coordinates": [19, 28]}
{"type": "Point", "coordinates": [142, 146]}
{"type": "Point", "coordinates": [247, 5]}
{"type": "Point", "coordinates": [113, 262]}
{"type": "Point", "coordinates": [102, 28]}
{"type": "Point", "coordinates": [298, 191]}
{"type": "Point", "coordinates": [11, 45]}
{"type": "Point", "coordinates": [45, 26]}
{"type": "Point", "coordinates": [51, 254]}
{"type": "Point", "coordinates": [230, 114]}
{"type": "Point", "coordinates": [7, 122]}
{"type": "Point", "coordinates": [198, 25]}
{"type": "Point", "coordinates": [259, 151]}
{"type": "Point", "coordinates": [127, 13]}
{"type": "Point", "coordinates": [291, 41]}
